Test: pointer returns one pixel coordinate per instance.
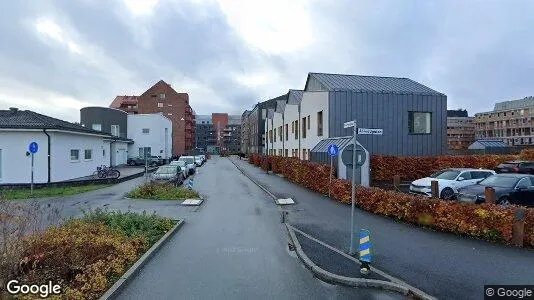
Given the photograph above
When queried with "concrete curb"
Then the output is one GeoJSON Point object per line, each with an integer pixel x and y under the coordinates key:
{"type": "Point", "coordinates": [350, 281]}
{"type": "Point", "coordinates": [255, 182]}
{"type": "Point", "coordinates": [132, 272]}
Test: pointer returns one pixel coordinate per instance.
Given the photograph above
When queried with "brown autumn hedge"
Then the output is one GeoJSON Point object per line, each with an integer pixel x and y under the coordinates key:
{"type": "Point", "coordinates": [486, 221]}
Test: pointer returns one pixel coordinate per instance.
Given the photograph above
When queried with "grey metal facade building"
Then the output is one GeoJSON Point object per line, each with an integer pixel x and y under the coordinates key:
{"type": "Point", "coordinates": [107, 120]}
{"type": "Point", "coordinates": [413, 117]}
{"type": "Point", "coordinates": [255, 124]}
{"type": "Point", "coordinates": [204, 133]}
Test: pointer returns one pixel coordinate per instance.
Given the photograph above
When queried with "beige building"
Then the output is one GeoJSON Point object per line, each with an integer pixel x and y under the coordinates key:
{"type": "Point", "coordinates": [460, 130]}
{"type": "Point", "coordinates": [510, 121]}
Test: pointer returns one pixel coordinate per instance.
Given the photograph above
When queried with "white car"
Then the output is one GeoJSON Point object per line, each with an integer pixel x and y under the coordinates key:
{"type": "Point", "coordinates": [198, 161]}
{"type": "Point", "coordinates": [183, 167]}
{"type": "Point", "coordinates": [190, 162]}
{"type": "Point", "coordinates": [449, 181]}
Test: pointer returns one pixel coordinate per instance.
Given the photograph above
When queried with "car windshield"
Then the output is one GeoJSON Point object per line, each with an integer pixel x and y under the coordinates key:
{"type": "Point", "coordinates": [188, 160]}
{"type": "Point", "coordinates": [445, 174]}
{"type": "Point", "coordinates": [166, 170]}
{"type": "Point", "coordinates": [500, 181]}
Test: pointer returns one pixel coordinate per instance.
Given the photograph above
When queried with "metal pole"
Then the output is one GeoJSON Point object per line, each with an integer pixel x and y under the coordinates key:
{"type": "Point", "coordinates": [330, 181]}
{"type": "Point", "coordinates": [31, 187]}
{"type": "Point", "coordinates": [351, 251]}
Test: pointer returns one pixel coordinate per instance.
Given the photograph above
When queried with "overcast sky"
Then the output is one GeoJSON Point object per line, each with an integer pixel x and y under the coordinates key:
{"type": "Point", "coordinates": [59, 56]}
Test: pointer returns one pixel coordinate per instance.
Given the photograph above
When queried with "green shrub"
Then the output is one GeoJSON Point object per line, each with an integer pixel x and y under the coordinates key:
{"type": "Point", "coordinates": [158, 191]}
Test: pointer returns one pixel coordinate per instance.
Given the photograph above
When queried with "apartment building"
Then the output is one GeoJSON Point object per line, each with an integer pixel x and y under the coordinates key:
{"type": "Point", "coordinates": [245, 132]}
{"type": "Point", "coordinates": [510, 121]}
{"type": "Point", "coordinates": [460, 130]}
{"type": "Point", "coordinates": [255, 121]}
{"type": "Point", "coordinates": [218, 132]}
{"type": "Point", "coordinates": [162, 98]}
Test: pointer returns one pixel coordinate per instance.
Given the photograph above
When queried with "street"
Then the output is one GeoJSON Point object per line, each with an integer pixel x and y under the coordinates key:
{"type": "Point", "coordinates": [444, 265]}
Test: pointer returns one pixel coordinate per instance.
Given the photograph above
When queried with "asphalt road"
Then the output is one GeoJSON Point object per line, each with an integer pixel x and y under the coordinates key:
{"type": "Point", "coordinates": [233, 247]}
{"type": "Point", "coordinates": [444, 265]}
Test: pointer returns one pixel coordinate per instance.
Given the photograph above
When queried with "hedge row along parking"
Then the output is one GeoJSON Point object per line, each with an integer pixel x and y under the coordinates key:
{"type": "Point", "coordinates": [485, 221]}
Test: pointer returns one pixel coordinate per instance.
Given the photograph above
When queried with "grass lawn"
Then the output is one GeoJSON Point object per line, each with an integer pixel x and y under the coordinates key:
{"type": "Point", "coordinates": [50, 191]}
{"type": "Point", "coordinates": [156, 191]}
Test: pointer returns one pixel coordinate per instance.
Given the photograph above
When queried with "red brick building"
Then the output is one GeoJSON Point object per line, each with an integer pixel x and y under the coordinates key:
{"type": "Point", "coordinates": [162, 98]}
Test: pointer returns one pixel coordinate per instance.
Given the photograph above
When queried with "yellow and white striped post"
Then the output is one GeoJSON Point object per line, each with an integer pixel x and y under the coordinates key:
{"type": "Point", "coordinates": [365, 251]}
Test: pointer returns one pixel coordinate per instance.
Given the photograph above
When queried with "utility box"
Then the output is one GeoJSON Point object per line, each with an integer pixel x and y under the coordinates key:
{"type": "Point", "coordinates": [362, 164]}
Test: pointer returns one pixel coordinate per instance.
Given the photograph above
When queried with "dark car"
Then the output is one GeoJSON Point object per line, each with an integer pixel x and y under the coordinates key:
{"type": "Point", "coordinates": [509, 189]}
{"type": "Point", "coordinates": [168, 174]}
{"type": "Point", "coordinates": [518, 166]}
{"type": "Point", "coordinates": [152, 161]}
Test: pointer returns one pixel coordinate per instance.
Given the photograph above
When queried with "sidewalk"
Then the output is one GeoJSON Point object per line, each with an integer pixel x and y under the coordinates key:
{"type": "Point", "coordinates": [443, 265]}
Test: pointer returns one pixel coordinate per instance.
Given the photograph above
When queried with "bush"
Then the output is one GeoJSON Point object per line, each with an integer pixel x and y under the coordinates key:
{"type": "Point", "coordinates": [489, 222]}
{"type": "Point", "coordinates": [159, 191]}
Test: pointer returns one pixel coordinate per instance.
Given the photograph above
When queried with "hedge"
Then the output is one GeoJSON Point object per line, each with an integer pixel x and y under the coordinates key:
{"type": "Point", "coordinates": [485, 221]}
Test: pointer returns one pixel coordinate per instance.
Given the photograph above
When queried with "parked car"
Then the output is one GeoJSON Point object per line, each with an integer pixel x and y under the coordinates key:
{"type": "Point", "coordinates": [190, 161]}
{"type": "Point", "coordinates": [517, 166]}
{"type": "Point", "coordinates": [183, 167]}
{"type": "Point", "coordinates": [168, 174]}
{"type": "Point", "coordinates": [509, 189]}
{"type": "Point", "coordinates": [203, 157]}
{"type": "Point", "coordinates": [449, 181]}
{"type": "Point", "coordinates": [152, 161]}
{"type": "Point", "coordinates": [198, 161]}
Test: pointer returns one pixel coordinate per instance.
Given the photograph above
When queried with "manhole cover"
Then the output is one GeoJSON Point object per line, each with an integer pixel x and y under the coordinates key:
{"type": "Point", "coordinates": [285, 201]}
{"type": "Point", "coordinates": [192, 202]}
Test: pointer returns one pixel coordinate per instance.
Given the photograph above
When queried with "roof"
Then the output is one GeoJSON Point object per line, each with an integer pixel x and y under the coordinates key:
{"type": "Point", "coordinates": [457, 113]}
{"type": "Point", "coordinates": [26, 119]}
{"type": "Point", "coordinates": [323, 145]}
{"type": "Point", "coordinates": [294, 97]}
{"type": "Point", "coordinates": [117, 138]}
{"type": "Point", "coordinates": [491, 143]}
{"type": "Point", "coordinates": [337, 82]}
{"type": "Point", "coordinates": [128, 100]}
{"type": "Point", "coordinates": [280, 106]}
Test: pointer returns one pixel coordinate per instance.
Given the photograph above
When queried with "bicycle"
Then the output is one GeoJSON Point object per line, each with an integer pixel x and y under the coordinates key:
{"type": "Point", "coordinates": [103, 172]}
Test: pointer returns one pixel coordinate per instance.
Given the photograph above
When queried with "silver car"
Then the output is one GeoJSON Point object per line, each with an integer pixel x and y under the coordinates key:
{"type": "Point", "coordinates": [168, 174]}
{"type": "Point", "coordinates": [183, 167]}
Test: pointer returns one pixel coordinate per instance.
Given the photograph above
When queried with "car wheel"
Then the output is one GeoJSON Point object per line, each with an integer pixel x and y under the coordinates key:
{"type": "Point", "coordinates": [504, 201]}
{"type": "Point", "coordinates": [447, 194]}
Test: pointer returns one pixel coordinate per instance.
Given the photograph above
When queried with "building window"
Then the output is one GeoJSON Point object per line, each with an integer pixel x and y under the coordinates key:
{"type": "Point", "coordinates": [169, 114]}
{"type": "Point", "coordinates": [160, 104]}
{"type": "Point", "coordinates": [88, 154]}
{"type": "Point", "coordinates": [146, 130]}
{"type": "Point", "coordinates": [97, 127]}
{"type": "Point", "coordinates": [115, 130]}
{"type": "Point", "coordinates": [419, 122]}
{"type": "Point", "coordinates": [274, 134]}
{"type": "Point", "coordinates": [103, 152]}
{"type": "Point", "coordinates": [74, 155]}
{"type": "Point", "coordinates": [293, 127]}
{"type": "Point", "coordinates": [309, 122]}
{"type": "Point", "coordinates": [287, 153]}
{"type": "Point", "coordinates": [304, 154]}
{"type": "Point", "coordinates": [162, 96]}
{"type": "Point", "coordinates": [144, 151]}
{"type": "Point", "coordinates": [169, 105]}
{"type": "Point", "coordinates": [296, 129]}
{"type": "Point", "coordinates": [280, 134]}
{"type": "Point", "coordinates": [303, 128]}
{"type": "Point", "coordinates": [320, 123]}
{"type": "Point", "coordinates": [286, 133]}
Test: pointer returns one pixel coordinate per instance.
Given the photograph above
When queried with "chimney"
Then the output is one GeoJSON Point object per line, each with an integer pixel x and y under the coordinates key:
{"type": "Point", "coordinates": [13, 109]}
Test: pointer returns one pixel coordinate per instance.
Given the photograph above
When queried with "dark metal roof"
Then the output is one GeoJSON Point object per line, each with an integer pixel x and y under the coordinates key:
{"type": "Point", "coordinates": [294, 97]}
{"type": "Point", "coordinates": [26, 119]}
{"type": "Point", "coordinates": [336, 82]}
{"type": "Point", "coordinates": [457, 113]}
{"type": "Point", "coordinates": [270, 113]}
{"type": "Point", "coordinates": [323, 145]}
{"type": "Point", "coordinates": [280, 106]}
{"type": "Point", "coordinates": [492, 143]}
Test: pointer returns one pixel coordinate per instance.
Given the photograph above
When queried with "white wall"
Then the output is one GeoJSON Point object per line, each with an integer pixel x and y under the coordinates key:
{"type": "Point", "coordinates": [15, 166]}
{"type": "Point", "coordinates": [291, 114]}
{"type": "Point", "coordinates": [119, 155]}
{"type": "Point", "coordinates": [277, 122]}
{"type": "Point", "coordinates": [63, 168]}
{"type": "Point", "coordinates": [156, 123]}
{"type": "Point", "coordinates": [312, 103]}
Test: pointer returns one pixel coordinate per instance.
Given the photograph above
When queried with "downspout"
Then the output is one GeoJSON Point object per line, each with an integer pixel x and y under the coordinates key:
{"type": "Point", "coordinates": [111, 152]}
{"type": "Point", "coordinates": [48, 155]}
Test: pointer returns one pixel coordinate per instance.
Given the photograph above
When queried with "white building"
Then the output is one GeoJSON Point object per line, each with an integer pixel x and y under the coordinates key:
{"type": "Point", "coordinates": [65, 150]}
{"type": "Point", "coordinates": [152, 131]}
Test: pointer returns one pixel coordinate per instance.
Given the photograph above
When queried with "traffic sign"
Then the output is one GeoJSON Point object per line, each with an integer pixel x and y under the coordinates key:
{"type": "Point", "coordinates": [33, 147]}
{"type": "Point", "coordinates": [349, 124]}
{"type": "Point", "coordinates": [333, 150]}
{"type": "Point", "coordinates": [373, 131]}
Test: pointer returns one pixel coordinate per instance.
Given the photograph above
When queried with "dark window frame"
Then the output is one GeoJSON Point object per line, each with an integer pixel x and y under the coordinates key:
{"type": "Point", "coordinates": [411, 123]}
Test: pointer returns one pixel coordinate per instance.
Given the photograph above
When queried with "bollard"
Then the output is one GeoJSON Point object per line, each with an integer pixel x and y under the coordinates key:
{"type": "Point", "coordinates": [365, 251]}
{"type": "Point", "coordinates": [396, 181]}
{"type": "Point", "coordinates": [434, 187]}
{"type": "Point", "coordinates": [489, 195]}
{"type": "Point", "coordinates": [190, 184]}
{"type": "Point", "coordinates": [518, 228]}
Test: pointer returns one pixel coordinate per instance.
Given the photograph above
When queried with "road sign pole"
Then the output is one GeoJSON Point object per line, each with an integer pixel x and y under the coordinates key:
{"type": "Point", "coordinates": [330, 180]}
{"type": "Point", "coordinates": [354, 130]}
{"type": "Point", "coordinates": [31, 186]}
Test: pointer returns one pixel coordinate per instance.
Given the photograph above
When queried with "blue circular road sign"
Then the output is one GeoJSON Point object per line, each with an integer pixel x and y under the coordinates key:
{"type": "Point", "coordinates": [333, 150]}
{"type": "Point", "coordinates": [33, 147]}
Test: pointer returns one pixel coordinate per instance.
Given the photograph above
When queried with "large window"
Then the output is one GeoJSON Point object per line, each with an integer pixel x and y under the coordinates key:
{"type": "Point", "coordinates": [88, 154]}
{"type": "Point", "coordinates": [296, 129]}
{"type": "Point", "coordinates": [419, 122]}
{"type": "Point", "coordinates": [74, 155]}
{"type": "Point", "coordinates": [97, 127]}
{"type": "Point", "coordinates": [320, 123]}
{"type": "Point", "coordinates": [145, 151]}
{"type": "Point", "coordinates": [160, 104]}
{"type": "Point", "coordinates": [304, 128]}
{"type": "Point", "coordinates": [287, 132]}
